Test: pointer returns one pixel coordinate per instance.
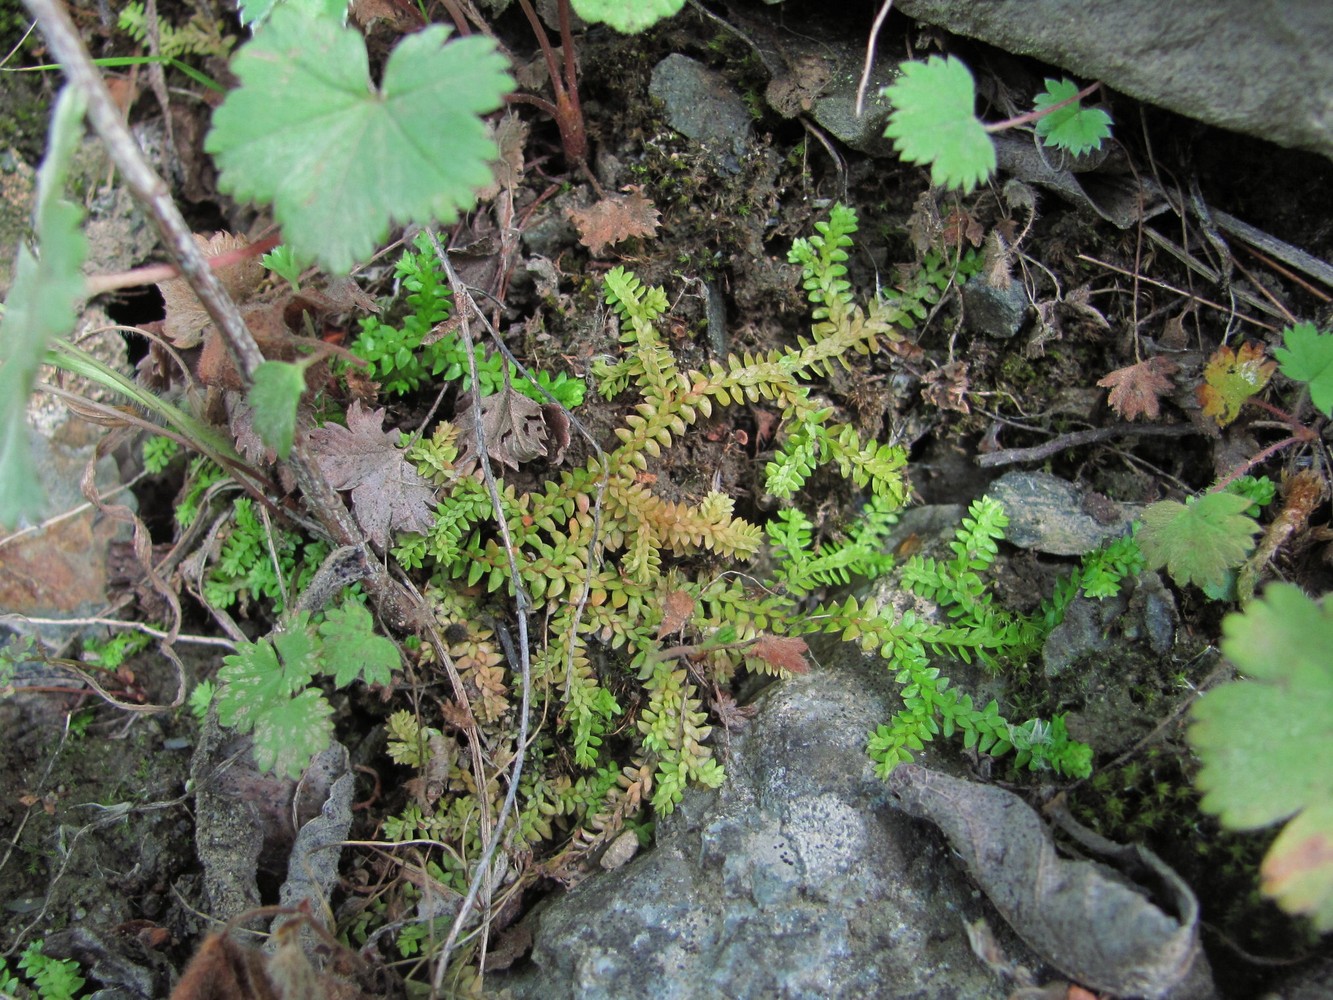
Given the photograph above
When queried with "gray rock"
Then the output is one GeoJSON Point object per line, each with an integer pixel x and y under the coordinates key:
{"type": "Point", "coordinates": [702, 106]}
{"type": "Point", "coordinates": [1143, 617]}
{"type": "Point", "coordinates": [1260, 68]}
{"type": "Point", "coordinates": [796, 879]}
{"type": "Point", "coordinates": [1052, 515]}
{"type": "Point", "coordinates": [819, 77]}
{"type": "Point", "coordinates": [997, 311]}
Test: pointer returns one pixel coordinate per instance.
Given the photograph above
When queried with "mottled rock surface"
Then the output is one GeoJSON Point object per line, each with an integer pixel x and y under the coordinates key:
{"type": "Point", "coordinates": [797, 879]}
{"type": "Point", "coordinates": [1254, 66]}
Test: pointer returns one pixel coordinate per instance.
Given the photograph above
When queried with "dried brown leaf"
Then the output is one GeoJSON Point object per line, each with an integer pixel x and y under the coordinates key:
{"type": "Point", "coordinates": [947, 387]}
{"type": "Point", "coordinates": [1079, 302]}
{"type": "Point", "coordinates": [1135, 389]}
{"type": "Point", "coordinates": [388, 494]}
{"type": "Point", "coordinates": [223, 969]}
{"type": "Point", "coordinates": [557, 430]}
{"type": "Point", "coordinates": [511, 425]}
{"type": "Point", "coordinates": [782, 652]}
{"type": "Point", "coordinates": [186, 317]}
{"type": "Point", "coordinates": [510, 135]}
{"type": "Point", "coordinates": [1088, 921]}
{"type": "Point", "coordinates": [732, 715]}
{"type": "Point", "coordinates": [616, 217]}
{"type": "Point", "coordinates": [677, 609]}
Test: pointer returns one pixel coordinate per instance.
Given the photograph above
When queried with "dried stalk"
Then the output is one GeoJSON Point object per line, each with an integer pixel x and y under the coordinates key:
{"type": "Point", "coordinates": [152, 192]}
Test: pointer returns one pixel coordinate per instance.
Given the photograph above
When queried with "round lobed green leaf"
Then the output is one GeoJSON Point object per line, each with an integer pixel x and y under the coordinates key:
{"type": "Point", "coordinates": [933, 122]}
{"type": "Point", "coordinates": [341, 161]}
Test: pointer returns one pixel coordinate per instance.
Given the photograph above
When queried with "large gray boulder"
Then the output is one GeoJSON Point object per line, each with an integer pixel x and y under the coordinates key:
{"type": "Point", "coordinates": [1255, 66]}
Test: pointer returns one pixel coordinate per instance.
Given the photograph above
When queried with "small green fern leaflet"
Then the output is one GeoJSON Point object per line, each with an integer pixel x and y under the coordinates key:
{"type": "Point", "coordinates": [403, 359]}
{"type": "Point", "coordinates": [975, 626]}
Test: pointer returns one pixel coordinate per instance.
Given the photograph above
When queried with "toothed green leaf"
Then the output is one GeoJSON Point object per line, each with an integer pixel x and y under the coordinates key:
{"type": "Point", "coordinates": [340, 160]}
{"type": "Point", "coordinates": [627, 16]}
{"type": "Point", "coordinates": [1250, 778]}
{"type": "Point", "coordinates": [933, 122]}
{"type": "Point", "coordinates": [1073, 128]}
{"type": "Point", "coordinates": [1200, 542]}
{"type": "Point", "coordinates": [1307, 356]}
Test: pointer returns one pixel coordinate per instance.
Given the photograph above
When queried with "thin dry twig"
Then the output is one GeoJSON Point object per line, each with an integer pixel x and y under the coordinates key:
{"type": "Point", "coordinates": [1041, 452]}
{"type": "Point", "coordinates": [481, 877]}
{"type": "Point", "coordinates": [151, 191]}
{"type": "Point", "coordinates": [869, 66]}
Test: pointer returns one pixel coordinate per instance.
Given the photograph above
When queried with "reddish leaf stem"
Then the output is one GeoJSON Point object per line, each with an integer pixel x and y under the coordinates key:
{"type": "Point", "coordinates": [1036, 113]}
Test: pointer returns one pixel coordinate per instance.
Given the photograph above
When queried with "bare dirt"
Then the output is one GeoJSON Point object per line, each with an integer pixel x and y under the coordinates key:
{"type": "Point", "coordinates": [100, 832]}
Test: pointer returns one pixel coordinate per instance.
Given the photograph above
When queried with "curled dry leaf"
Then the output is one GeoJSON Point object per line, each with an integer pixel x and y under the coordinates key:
{"type": "Point", "coordinates": [1093, 925]}
{"type": "Point", "coordinates": [616, 217]}
{"type": "Point", "coordinates": [186, 318]}
{"type": "Point", "coordinates": [388, 494]}
{"type": "Point", "coordinates": [947, 387]}
{"type": "Point", "coordinates": [731, 714]}
{"type": "Point", "coordinates": [512, 426]}
{"type": "Point", "coordinates": [677, 608]}
{"type": "Point", "coordinates": [1135, 389]}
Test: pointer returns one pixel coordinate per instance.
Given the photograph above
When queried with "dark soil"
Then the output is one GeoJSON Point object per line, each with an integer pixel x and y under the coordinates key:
{"type": "Point", "coordinates": [100, 827]}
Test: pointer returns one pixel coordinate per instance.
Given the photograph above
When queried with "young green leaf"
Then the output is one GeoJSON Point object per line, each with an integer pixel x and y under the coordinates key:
{"type": "Point", "coordinates": [1251, 779]}
{"type": "Point", "coordinates": [274, 396]}
{"type": "Point", "coordinates": [1307, 356]}
{"type": "Point", "coordinates": [627, 16]}
{"type": "Point", "coordinates": [253, 13]}
{"type": "Point", "coordinates": [933, 122]}
{"type": "Point", "coordinates": [266, 689]}
{"type": "Point", "coordinates": [341, 161]}
{"type": "Point", "coordinates": [1073, 128]}
{"type": "Point", "coordinates": [282, 262]}
{"type": "Point", "coordinates": [43, 303]}
{"type": "Point", "coordinates": [1199, 542]}
{"type": "Point", "coordinates": [352, 649]}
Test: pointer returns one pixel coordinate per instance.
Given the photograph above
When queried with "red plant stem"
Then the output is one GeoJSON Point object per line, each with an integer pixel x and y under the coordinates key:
{"type": "Point", "coordinates": [1296, 426]}
{"type": "Point", "coordinates": [457, 16]}
{"type": "Point", "coordinates": [99, 283]}
{"type": "Point", "coordinates": [1036, 113]}
{"type": "Point", "coordinates": [1264, 455]}
{"type": "Point", "coordinates": [564, 85]}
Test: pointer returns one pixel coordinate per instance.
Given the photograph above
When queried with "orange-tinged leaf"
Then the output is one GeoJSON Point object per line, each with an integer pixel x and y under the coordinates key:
{"type": "Point", "coordinates": [1135, 389]}
{"type": "Point", "coordinates": [677, 608]}
{"type": "Point", "coordinates": [616, 217]}
{"type": "Point", "coordinates": [783, 652]}
{"type": "Point", "coordinates": [1298, 869]}
{"type": "Point", "coordinates": [1230, 378]}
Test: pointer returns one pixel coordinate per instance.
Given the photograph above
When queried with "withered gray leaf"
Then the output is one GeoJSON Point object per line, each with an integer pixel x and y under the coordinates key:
{"type": "Point", "coordinates": [1089, 921]}
{"type": "Point", "coordinates": [388, 494]}
{"type": "Point", "coordinates": [186, 317]}
{"type": "Point", "coordinates": [512, 425]}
